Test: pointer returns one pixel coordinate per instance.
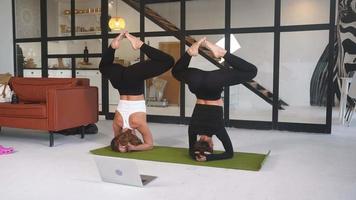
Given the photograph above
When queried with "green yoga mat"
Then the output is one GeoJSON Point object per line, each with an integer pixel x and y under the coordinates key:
{"type": "Point", "coordinates": [241, 160]}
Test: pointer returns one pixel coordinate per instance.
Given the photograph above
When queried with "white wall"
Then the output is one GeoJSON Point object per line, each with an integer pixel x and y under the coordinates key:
{"type": "Point", "coordinates": [53, 18]}
{"type": "Point", "coordinates": [300, 52]}
{"type": "Point", "coordinates": [304, 12]}
{"type": "Point", "coordinates": [170, 11]}
{"type": "Point", "coordinates": [205, 14]}
{"type": "Point", "coordinates": [6, 47]}
{"type": "Point", "coordinates": [257, 49]}
{"type": "Point", "coordinates": [252, 13]}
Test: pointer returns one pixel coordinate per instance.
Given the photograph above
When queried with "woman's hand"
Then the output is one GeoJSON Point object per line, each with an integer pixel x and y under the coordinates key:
{"type": "Point", "coordinates": [200, 158]}
{"type": "Point", "coordinates": [127, 148]}
{"type": "Point", "coordinates": [194, 49]}
{"type": "Point", "coordinates": [115, 44]}
{"type": "Point", "coordinates": [131, 147]}
{"type": "Point", "coordinates": [135, 42]}
{"type": "Point", "coordinates": [123, 149]}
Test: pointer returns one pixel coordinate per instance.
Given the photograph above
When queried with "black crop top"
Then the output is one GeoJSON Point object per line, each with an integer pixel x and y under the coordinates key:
{"type": "Point", "coordinates": [203, 87]}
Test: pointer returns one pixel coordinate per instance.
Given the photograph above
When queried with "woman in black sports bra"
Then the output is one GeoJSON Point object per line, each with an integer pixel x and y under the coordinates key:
{"type": "Point", "coordinates": [207, 118]}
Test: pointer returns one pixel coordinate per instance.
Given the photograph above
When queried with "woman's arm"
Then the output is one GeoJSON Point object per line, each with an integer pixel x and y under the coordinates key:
{"type": "Point", "coordinates": [242, 70]}
{"type": "Point", "coordinates": [147, 142]}
{"type": "Point", "coordinates": [192, 140]}
{"type": "Point", "coordinates": [225, 140]}
{"type": "Point", "coordinates": [158, 55]}
{"type": "Point", "coordinates": [141, 147]}
{"type": "Point", "coordinates": [158, 63]}
{"type": "Point", "coordinates": [141, 125]}
{"type": "Point", "coordinates": [180, 68]}
{"type": "Point", "coordinates": [107, 60]}
{"type": "Point", "coordinates": [107, 67]}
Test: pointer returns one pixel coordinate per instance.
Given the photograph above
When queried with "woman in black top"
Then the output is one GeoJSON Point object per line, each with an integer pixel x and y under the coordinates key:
{"type": "Point", "coordinates": [207, 119]}
{"type": "Point", "coordinates": [129, 81]}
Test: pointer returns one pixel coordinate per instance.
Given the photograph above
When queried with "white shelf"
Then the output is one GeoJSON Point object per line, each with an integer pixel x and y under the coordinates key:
{"type": "Point", "coordinates": [84, 14]}
{"type": "Point", "coordinates": [83, 33]}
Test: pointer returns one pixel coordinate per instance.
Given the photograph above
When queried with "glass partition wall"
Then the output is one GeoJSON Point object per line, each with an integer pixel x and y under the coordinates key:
{"type": "Point", "coordinates": [163, 92]}
{"type": "Point", "coordinates": [284, 39]}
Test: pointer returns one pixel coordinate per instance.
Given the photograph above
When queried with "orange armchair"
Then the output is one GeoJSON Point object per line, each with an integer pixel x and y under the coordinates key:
{"type": "Point", "coordinates": [51, 104]}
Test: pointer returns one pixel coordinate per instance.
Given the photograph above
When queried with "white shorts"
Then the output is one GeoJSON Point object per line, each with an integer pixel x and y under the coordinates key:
{"type": "Point", "coordinates": [126, 108]}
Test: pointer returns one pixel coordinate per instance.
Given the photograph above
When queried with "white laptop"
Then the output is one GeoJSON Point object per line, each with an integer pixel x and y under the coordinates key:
{"type": "Point", "coordinates": [121, 171]}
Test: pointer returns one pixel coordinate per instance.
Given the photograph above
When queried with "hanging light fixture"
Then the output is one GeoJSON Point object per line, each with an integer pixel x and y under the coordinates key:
{"type": "Point", "coordinates": [117, 23]}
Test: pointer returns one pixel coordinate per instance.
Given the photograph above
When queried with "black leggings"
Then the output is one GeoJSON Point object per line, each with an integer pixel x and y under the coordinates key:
{"type": "Point", "coordinates": [240, 72]}
{"type": "Point", "coordinates": [129, 80]}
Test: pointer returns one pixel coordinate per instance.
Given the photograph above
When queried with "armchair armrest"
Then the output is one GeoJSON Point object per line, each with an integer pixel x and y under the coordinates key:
{"type": "Point", "coordinates": [72, 107]}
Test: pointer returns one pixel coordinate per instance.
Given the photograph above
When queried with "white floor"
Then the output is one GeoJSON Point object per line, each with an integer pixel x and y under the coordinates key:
{"type": "Point", "coordinates": [301, 166]}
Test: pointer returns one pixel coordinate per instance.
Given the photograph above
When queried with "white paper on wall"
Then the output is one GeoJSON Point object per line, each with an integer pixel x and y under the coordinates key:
{"type": "Point", "coordinates": [234, 44]}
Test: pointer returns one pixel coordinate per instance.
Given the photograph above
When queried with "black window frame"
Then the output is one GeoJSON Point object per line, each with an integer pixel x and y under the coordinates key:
{"type": "Point", "coordinates": [277, 29]}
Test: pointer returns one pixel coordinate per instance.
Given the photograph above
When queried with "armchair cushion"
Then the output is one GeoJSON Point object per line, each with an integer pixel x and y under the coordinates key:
{"type": "Point", "coordinates": [37, 111]}
{"type": "Point", "coordinates": [35, 89]}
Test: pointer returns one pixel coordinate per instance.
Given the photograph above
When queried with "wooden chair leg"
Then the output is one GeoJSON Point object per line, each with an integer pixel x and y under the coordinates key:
{"type": "Point", "coordinates": [51, 139]}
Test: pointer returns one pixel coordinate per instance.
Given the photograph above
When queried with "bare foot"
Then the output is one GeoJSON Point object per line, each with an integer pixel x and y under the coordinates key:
{"type": "Point", "coordinates": [115, 44]}
{"type": "Point", "coordinates": [217, 51]}
{"type": "Point", "coordinates": [194, 49]}
{"type": "Point", "coordinates": [135, 42]}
